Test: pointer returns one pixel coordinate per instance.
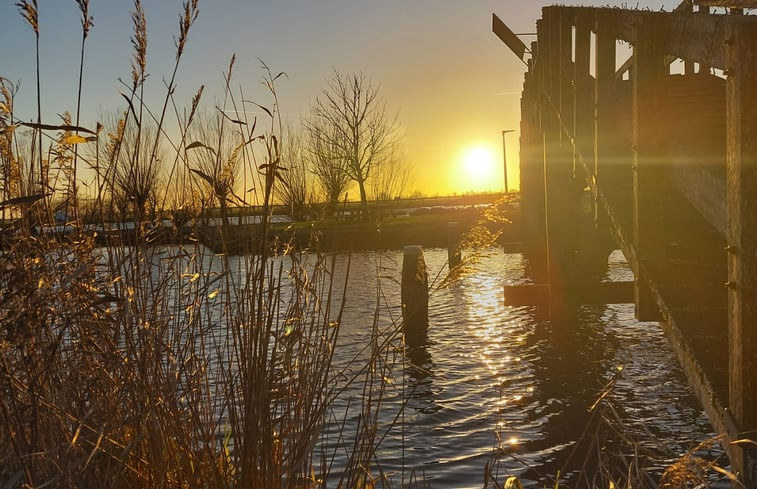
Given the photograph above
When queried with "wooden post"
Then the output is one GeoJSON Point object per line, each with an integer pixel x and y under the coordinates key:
{"type": "Point", "coordinates": [648, 77]}
{"type": "Point", "coordinates": [454, 255]}
{"type": "Point", "coordinates": [604, 102]}
{"type": "Point", "coordinates": [565, 72]}
{"type": "Point", "coordinates": [554, 179]}
{"type": "Point", "coordinates": [533, 110]}
{"type": "Point", "coordinates": [561, 191]}
{"type": "Point", "coordinates": [741, 127]}
{"type": "Point", "coordinates": [414, 293]}
{"type": "Point", "coordinates": [703, 68]}
{"type": "Point", "coordinates": [583, 113]}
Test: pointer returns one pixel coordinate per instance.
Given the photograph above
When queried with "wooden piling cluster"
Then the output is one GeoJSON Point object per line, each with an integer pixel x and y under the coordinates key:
{"type": "Point", "coordinates": [666, 164]}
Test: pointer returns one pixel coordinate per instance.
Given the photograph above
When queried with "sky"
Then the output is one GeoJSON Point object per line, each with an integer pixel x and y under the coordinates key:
{"type": "Point", "coordinates": [453, 85]}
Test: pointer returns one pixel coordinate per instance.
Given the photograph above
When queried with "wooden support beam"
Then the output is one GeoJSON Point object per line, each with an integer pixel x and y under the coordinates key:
{"type": "Point", "coordinates": [561, 196]}
{"type": "Point", "coordinates": [732, 4]}
{"type": "Point", "coordinates": [566, 72]}
{"type": "Point", "coordinates": [704, 68]}
{"type": "Point", "coordinates": [648, 158]}
{"type": "Point", "coordinates": [533, 111]}
{"type": "Point", "coordinates": [596, 293]}
{"type": "Point", "coordinates": [691, 36]}
{"type": "Point", "coordinates": [688, 65]}
{"type": "Point", "coordinates": [684, 6]}
{"type": "Point", "coordinates": [741, 92]}
{"type": "Point", "coordinates": [605, 139]}
{"type": "Point", "coordinates": [550, 53]}
{"type": "Point", "coordinates": [583, 98]}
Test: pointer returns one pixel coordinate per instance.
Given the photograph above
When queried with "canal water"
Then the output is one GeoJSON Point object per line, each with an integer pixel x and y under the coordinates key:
{"type": "Point", "coordinates": [498, 385]}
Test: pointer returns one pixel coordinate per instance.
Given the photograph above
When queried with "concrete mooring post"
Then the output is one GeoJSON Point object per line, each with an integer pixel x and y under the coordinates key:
{"type": "Point", "coordinates": [414, 291]}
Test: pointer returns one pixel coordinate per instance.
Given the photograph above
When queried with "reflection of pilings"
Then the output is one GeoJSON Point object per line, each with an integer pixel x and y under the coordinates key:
{"type": "Point", "coordinates": [414, 296]}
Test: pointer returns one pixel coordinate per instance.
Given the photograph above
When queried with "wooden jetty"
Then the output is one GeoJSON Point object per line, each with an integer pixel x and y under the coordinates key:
{"type": "Point", "coordinates": [661, 163]}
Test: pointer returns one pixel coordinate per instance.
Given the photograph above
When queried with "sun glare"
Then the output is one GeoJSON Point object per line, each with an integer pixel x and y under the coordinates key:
{"type": "Point", "coordinates": [478, 167]}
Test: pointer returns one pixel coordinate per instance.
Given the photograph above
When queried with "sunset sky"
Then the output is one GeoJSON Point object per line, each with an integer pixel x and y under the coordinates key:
{"type": "Point", "coordinates": [453, 84]}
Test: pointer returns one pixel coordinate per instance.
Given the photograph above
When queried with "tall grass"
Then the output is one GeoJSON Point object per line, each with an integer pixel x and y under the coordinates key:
{"type": "Point", "coordinates": [144, 365]}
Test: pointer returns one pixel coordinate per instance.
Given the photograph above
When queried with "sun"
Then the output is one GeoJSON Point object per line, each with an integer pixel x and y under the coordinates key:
{"type": "Point", "coordinates": [478, 167]}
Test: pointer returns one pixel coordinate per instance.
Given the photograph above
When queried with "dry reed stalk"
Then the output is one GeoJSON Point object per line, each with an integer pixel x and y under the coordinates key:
{"type": "Point", "coordinates": [138, 365]}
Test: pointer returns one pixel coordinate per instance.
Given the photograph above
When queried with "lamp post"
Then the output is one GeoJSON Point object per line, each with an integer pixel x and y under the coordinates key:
{"type": "Point", "coordinates": [504, 155]}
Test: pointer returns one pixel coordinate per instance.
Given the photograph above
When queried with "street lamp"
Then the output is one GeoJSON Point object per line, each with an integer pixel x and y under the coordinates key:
{"type": "Point", "coordinates": [504, 156]}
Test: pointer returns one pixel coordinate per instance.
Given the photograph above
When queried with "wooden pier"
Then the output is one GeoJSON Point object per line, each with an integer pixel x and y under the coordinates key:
{"type": "Point", "coordinates": [658, 158]}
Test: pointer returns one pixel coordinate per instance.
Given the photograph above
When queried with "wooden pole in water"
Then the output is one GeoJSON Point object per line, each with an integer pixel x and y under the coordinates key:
{"type": "Point", "coordinates": [414, 291]}
{"type": "Point", "coordinates": [649, 157]}
{"type": "Point", "coordinates": [454, 256]}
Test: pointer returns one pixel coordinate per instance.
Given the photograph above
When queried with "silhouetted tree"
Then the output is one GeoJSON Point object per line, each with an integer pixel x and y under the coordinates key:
{"type": "Point", "coordinates": [350, 127]}
{"type": "Point", "coordinates": [391, 177]}
{"type": "Point", "coordinates": [131, 168]}
{"type": "Point", "coordinates": [325, 162]}
{"type": "Point", "coordinates": [294, 193]}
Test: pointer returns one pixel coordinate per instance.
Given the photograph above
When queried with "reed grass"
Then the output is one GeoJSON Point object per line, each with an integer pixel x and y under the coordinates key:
{"type": "Point", "coordinates": [144, 365]}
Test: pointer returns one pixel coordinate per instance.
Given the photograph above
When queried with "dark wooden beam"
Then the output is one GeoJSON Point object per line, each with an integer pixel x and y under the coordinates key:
{"type": "Point", "coordinates": [596, 293]}
{"type": "Point", "coordinates": [741, 124]}
{"type": "Point", "coordinates": [605, 131]}
{"type": "Point", "coordinates": [648, 77]}
{"type": "Point", "coordinates": [583, 96]}
{"type": "Point", "coordinates": [728, 3]}
{"type": "Point", "coordinates": [566, 72]}
{"type": "Point", "coordinates": [691, 36]}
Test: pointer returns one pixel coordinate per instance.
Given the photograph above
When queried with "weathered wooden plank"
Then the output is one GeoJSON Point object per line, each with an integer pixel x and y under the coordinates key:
{"type": "Point", "coordinates": [695, 117]}
{"type": "Point", "coordinates": [566, 72]}
{"type": "Point", "coordinates": [705, 190]}
{"type": "Point", "coordinates": [531, 154]}
{"type": "Point", "coordinates": [704, 67]}
{"type": "Point", "coordinates": [728, 3]}
{"type": "Point", "coordinates": [605, 139]}
{"type": "Point", "coordinates": [583, 97]}
{"type": "Point", "coordinates": [701, 384]}
{"type": "Point", "coordinates": [741, 92]}
{"type": "Point", "coordinates": [648, 156]}
{"type": "Point", "coordinates": [692, 36]}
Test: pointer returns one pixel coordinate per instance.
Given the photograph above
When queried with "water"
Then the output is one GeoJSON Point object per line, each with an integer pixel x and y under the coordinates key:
{"type": "Point", "coordinates": [497, 384]}
{"type": "Point", "coordinates": [491, 370]}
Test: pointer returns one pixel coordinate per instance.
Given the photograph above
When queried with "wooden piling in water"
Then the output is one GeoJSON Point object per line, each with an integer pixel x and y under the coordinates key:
{"type": "Point", "coordinates": [655, 153]}
{"type": "Point", "coordinates": [414, 292]}
{"type": "Point", "coordinates": [649, 158]}
{"type": "Point", "coordinates": [454, 254]}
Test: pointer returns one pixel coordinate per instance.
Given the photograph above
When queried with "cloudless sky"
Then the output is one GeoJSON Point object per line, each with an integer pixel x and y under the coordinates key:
{"type": "Point", "coordinates": [453, 84]}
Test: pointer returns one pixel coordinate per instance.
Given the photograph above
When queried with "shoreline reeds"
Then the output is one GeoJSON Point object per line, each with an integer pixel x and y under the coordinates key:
{"type": "Point", "coordinates": [168, 366]}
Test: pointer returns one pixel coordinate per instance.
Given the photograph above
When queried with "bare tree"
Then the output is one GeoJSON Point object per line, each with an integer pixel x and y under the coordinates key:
{"type": "Point", "coordinates": [294, 192]}
{"type": "Point", "coordinates": [131, 164]}
{"type": "Point", "coordinates": [325, 162]}
{"type": "Point", "coordinates": [350, 126]}
{"type": "Point", "coordinates": [215, 156]}
{"type": "Point", "coordinates": [391, 177]}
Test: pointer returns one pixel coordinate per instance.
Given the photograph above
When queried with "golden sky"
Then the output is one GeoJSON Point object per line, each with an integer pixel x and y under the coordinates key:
{"type": "Point", "coordinates": [453, 84]}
